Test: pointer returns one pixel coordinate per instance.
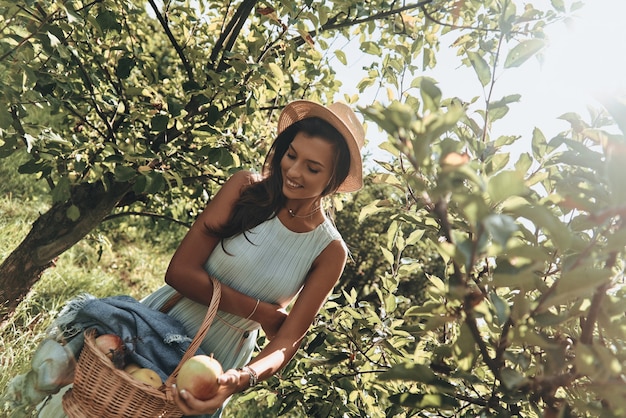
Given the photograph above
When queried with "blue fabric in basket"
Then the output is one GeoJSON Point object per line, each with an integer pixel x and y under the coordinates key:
{"type": "Point", "coordinates": [154, 340]}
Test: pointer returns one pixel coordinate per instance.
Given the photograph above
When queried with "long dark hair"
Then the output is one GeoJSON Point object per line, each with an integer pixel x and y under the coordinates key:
{"type": "Point", "coordinates": [261, 201]}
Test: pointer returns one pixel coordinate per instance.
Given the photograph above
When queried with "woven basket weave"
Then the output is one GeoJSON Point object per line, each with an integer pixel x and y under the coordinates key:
{"type": "Point", "coordinates": [103, 391]}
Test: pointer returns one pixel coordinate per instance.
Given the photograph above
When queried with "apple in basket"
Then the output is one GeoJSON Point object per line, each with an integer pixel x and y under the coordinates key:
{"type": "Point", "coordinates": [147, 376]}
{"type": "Point", "coordinates": [198, 375]}
{"type": "Point", "coordinates": [113, 347]}
{"type": "Point", "coordinates": [131, 367]}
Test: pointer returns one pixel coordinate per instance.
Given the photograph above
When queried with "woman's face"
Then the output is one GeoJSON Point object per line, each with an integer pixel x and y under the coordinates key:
{"type": "Point", "coordinates": [307, 166]}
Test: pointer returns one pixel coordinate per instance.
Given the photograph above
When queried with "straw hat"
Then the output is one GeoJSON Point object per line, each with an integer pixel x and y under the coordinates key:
{"type": "Point", "coordinates": [342, 118]}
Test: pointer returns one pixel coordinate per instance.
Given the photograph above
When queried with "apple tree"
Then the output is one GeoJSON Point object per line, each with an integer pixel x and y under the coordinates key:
{"type": "Point", "coordinates": [527, 318]}
{"type": "Point", "coordinates": [129, 107]}
{"type": "Point", "coordinates": [145, 107]}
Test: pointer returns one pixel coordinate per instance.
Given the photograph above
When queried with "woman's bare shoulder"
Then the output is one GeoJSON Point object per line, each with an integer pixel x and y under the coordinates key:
{"type": "Point", "coordinates": [243, 178]}
{"type": "Point", "coordinates": [220, 207]}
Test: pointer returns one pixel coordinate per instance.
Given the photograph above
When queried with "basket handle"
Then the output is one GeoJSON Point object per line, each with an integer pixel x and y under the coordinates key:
{"type": "Point", "coordinates": [204, 328]}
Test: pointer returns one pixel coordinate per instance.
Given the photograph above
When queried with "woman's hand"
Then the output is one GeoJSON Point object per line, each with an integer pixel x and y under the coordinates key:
{"type": "Point", "coordinates": [190, 405]}
{"type": "Point", "coordinates": [272, 319]}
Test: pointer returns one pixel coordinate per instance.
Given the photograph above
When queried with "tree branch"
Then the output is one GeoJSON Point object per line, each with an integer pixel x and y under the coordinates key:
{"type": "Point", "coordinates": [588, 325]}
{"type": "Point", "coordinates": [173, 41]}
{"type": "Point", "coordinates": [44, 22]}
{"type": "Point", "coordinates": [228, 37]}
{"type": "Point", "coordinates": [470, 321]}
{"type": "Point", "coordinates": [491, 86]}
{"type": "Point", "coordinates": [146, 214]}
{"type": "Point", "coordinates": [331, 25]}
{"type": "Point", "coordinates": [430, 17]}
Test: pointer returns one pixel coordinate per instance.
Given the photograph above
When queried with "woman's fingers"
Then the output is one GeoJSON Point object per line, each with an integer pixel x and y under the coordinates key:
{"type": "Point", "coordinates": [190, 405]}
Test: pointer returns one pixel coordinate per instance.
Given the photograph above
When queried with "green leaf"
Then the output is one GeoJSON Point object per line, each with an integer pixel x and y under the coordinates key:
{"type": "Point", "coordinates": [585, 360]}
{"type": "Point", "coordinates": [227, 159]}
{"type": "Point", "coordinates": [524, 163]}
{"type": "Point", "coordinates": [523, 51]}
{"type": "Point", "coordinates": [578, 283]}
{"type": "Point", "coordinates": [465, 346]}
{"type": "Point", "coordinates": [511, 98]}
{"type": "Point", "coordinates": [350, 297]}
{"type": "Point", "coordinates": [507, 275]}
{"type": "Point", "coordinates": [409, 372]}
{"type": "Point", "coordinates": [506, 184]}
{"type": "Point", "coordinates": [422, 401]}
{"type": "Point", "coordinates": [371, 48]}
{"type": "Point", "coordinates": [548, 319]}
{"type": "Point", "coordinates": [107, 20]}
{"type": "Point", "coordinates": [511, 378]}
{"type": "Point", "coordinates": [73, 213]}
{"type": "Point", "coordinates": [124, 66]}
{"type": "Point", "coordinates": [72, 16]}
{"type": "Point", "coordinates": [431, 95]}
{"type": "Point", "coordinates": [521, 306]}
{"type": "Point", "coordinates": [141, 182]}
{"type": "Point", "coordinates": [317, 342]}
{"type": "Point", "coordinates": [5, 117]}
{"type": "Point", "coordinates": [159, 123]}
{"type": "Point", "coordinates": [480, 67]}
{"type": "Point", "coordinates": [373, 208]}
{"type": "Point", "coordinates": [558, 5]}
{"type": "Point", "coordinates": [124, 173]}
{"type": "Point", "coordinates": [220, 156]}
{"type": "Point", "coordinates": [388, 255]}
{"type": "Point", "coordinates": [61, 191]}
{"type": "Point", "coordinates": [507, 16]}
{"type": "Point", "coordinates": [544, 220]}
{"type": "Point", "coordinates": [156, 182]}
{"type": "Point", "coordinates": [616, 105]}
{"type": "Point", "coordinates": [341, 56]}
{"type": "Point", "coordinates": [528, 252]}
{"type": "Point", "coordinates": [9, 146]}
{"type": "Point", "coordinates": [501, 307]}
{"type": "Point", "coordinates": [500, 227]}
{"type": "Point", "coordinates": [616, 170]}
{"type": "Point", "coordinates": [276, 71]}
{"type": "Point", "coordinates": [415, 236]}
{"type": "Point", "coordinates": [608, 361]}
{"type": "Point", "coordinates": [539, 144]}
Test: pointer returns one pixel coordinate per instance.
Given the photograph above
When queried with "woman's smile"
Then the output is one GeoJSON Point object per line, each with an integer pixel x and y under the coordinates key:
{"type": "Point", "coordinates": [292, 184]}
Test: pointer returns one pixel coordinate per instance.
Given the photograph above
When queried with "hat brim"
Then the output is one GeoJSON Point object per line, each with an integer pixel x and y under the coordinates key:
{"type": "Point", "coordinates": [342, 118]}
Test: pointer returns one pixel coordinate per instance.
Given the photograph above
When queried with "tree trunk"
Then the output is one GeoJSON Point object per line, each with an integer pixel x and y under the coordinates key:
{"type": "Point", "coordinates": [52, 234]}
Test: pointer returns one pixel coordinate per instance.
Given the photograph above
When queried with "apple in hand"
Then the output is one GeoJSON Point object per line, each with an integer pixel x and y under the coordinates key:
{"type": "Point", "coordinates": [198, 376]}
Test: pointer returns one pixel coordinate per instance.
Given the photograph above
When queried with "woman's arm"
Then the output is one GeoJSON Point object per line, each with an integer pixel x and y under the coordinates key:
{"type": "Point", "coordinates": [322, 278]}
{"type": "Point", "coordinates": [186, 272]}
{"type": "Point", "coordinates": [279, 351]}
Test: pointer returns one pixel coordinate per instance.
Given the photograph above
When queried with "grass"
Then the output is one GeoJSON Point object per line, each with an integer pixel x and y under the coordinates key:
{"type": "Point", "coordinates": [126, 256]}
{"type": "Point", "coordinates": [115, 259]}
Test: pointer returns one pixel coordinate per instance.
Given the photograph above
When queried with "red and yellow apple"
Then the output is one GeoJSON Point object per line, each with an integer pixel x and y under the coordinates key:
{"type": "Point", "coordinates": [198, 375]}
{"type": "Point", "coordinates": [113, 347]}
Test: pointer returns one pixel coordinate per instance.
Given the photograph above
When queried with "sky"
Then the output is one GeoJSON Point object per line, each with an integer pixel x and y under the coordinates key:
{"type": "Point", "coordinates": [586, 56]}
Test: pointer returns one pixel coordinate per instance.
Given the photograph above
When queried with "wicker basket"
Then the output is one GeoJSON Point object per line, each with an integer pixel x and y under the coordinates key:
{"type": "Point", "coordinates": [100, 390]}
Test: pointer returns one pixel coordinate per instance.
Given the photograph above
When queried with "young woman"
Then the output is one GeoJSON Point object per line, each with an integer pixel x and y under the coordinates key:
{"type": "Point", "coordinates": [267, 239]}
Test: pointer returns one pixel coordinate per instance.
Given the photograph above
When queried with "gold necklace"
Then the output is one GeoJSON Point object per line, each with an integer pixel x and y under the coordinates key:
{"type": "Point", "coordinates": [293, 214]}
